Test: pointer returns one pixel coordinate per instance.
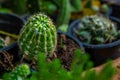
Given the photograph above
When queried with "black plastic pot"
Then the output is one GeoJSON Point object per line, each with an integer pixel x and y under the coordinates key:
{"type": "Point", "coordinates": [10, 23]}
{"type": "Point", "coordinates": [115, 11]}
{"type": "Point", "coordinates": [109, 11]}
{"type": "Point", "coordinates": [99, 53]}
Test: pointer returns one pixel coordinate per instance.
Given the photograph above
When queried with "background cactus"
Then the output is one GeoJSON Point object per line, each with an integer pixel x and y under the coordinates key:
{"type": "Point", "coordinates": [96, 29]}
{"type": "Point", "coordinates": [64, 13]}
{"type": "Point", "coordinates": [2, 43]}
{"type": "Point", "coordinates": [19, 73]}
{"type": "Point", "coordinates": [45, 6]}
{"type": "Point", "coordinates": [37, 35]}
{"type": "Point", "coordinates": [76, 4]}
{"type": "Point", "coordinates": [17, 6]}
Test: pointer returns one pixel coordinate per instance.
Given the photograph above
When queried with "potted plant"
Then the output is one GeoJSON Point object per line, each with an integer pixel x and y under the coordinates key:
{"type": "Point", "coordinates": [99, 35]}
{"type": "Point", "coordinates": [38, 41]}
{"type": "Point", "coordinates": [40, 35]}
{"type": "Point", "coordinates": [80, 70]}
{"type": "Point", "coordinates": [10, 25]}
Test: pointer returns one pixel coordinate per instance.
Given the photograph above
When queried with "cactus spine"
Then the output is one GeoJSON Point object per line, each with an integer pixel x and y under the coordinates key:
{"type": "Point", "coordinates": [38, 35]}
{"type": "Point", "coordinates": [2, 43]}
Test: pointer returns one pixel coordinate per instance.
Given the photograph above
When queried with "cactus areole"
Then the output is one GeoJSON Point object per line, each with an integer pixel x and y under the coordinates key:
{"type": "Point", "coordinates": [38, 35]}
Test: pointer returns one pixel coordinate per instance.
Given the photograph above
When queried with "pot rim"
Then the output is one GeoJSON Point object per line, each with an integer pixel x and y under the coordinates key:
{"type": "Point", "coordinates": [72, 38]}
{"type": "Point", "coordinates": [13, 15]}
{"type": "Point", "coordinates": [95, 46]}
{"type": "Point", "coordinates": [9, 47]}
{"type": "Point", "coordinates": [14, 44]}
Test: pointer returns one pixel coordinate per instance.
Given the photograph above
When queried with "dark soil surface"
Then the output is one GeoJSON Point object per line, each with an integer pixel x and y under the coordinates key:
{"type": "Point", "coordinates": [6, 61]}
{"type": "Point", "coordinates": [65, 50]}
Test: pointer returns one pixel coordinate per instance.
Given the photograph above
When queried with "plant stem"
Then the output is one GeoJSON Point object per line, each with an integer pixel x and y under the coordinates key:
{"type": "Point", "coordinates": [9, 34]}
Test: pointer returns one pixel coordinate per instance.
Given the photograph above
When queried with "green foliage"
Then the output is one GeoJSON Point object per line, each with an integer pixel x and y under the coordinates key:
{"type": "Point", "coordinates": [19, 73]}
{"type": "Point", "coordinates": [80, 69]}
{"type": "Point", "coordinates": [32, 6]}
{"type": "Point", "coordinates": [96, 29]}
{"type": "Point", "coordinates": [2, 43]}
{"type": "Point", "coordinates": [108, 69]}
{"type": "Point", "coordinates": [61, 8]}
{"type": "Point", "coordinates": [64, 13]}
{"type": "Point", "coordinates": [38, 35]}
{"type": "Point", "coordinates": [65, 9]}
{"type": "Point", "coordinates": [45, 6]}
{"type": "Point", "coordinates": [76, 4]}
{"type": "Point", "coordinates": [17, 6]}
{"type": "Point", "coordinates": [105, 8]}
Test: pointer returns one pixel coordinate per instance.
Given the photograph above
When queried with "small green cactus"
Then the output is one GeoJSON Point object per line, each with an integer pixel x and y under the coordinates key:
{"type": "Point", "coordinates": [96, 29]}
{"type": "Point", "coordinates": [22, 70]}
{"type": "Point", "coordinates": [38, 35]}
{"type": "Point", "coordinates": [2, 43]}
{"type": "Point", "coordinates": [19, 73]}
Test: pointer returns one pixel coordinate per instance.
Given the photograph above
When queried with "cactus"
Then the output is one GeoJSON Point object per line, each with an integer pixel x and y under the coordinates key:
{"type": "Point", "coordinates": [64, 13]}
{"type": "Point", "coordinates": [76, 4]}
{"type": "Point", "coordinates": [2, 43]}
{"type": "Point", "coordinates": [19, 73]}
{"type": "Point", "coordinates": [41, 6]}
{"type": "Point", "coordinates": [96, 29]}
{"type": "Point", "coordinates": [37, 35]}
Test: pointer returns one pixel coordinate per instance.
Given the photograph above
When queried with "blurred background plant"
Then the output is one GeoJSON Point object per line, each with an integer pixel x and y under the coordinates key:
{"type": "Point", "coordinates": [61, 11]}
{"type": "Point", "coordinates": [96, 29]}
{"type": "Point", "coordinates": [80, 69]}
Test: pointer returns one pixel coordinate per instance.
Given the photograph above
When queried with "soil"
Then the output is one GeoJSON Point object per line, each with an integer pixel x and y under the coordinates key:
{"type": "Point", "coordinates": [6, 61]}
{"type": "Point", "coordinates": [65, 50]}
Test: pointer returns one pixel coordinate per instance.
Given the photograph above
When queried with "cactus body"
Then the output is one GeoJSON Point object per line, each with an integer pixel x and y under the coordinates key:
{"type": "Point", "coordinates": [22, 70]}
{"type": "Point", "coordinates": [2, 43]}
{"type": "Point", "coordinates": [19, 73]}
{"type": "Point", "coordinates": [38, 35]}
{"type": "Point", "coordinates": [64, 13]}
{"type": "Point", "coordinates": [76, 4]}
{"type": "Point", "coordinates": [100, 29]}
